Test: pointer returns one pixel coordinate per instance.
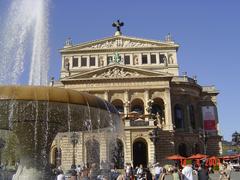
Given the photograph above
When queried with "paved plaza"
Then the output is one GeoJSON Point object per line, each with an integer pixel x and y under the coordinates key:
{"type": "Point", "coordinates": [215, 176]}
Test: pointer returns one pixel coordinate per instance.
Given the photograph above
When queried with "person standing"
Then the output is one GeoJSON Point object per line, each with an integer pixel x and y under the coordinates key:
{"type": "Point", "coordinates": [175, 174]}
{"type": "Point", "coordinates": [139, 172]}
{"type": "Point", "coordinates": [158, 170]}
{"type": "Point", "coordinates": [60, 175]}
{"type": "Point", "coordinates": [148, 175]}
{"type": "Point", "coordinates": [225, 173]}
{"type": "Point", "coordinates": [187, 172]}
{"type": "Point", "coordinates": [163, 174]}
{"type": "Point", "coordinates": [203, 173]}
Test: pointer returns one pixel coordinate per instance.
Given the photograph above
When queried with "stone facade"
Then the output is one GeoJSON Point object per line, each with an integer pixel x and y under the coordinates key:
{"type": "Point", "coordinates": [141, 78]}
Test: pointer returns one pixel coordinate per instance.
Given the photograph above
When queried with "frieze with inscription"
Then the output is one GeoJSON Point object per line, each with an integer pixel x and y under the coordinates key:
{"type": "Point", "coordinates": [120, 43]}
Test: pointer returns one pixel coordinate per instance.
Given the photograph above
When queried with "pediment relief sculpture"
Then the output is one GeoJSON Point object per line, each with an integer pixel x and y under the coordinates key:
{"type": "Point", "coordinates": [116, 73]}
{"type": "Point", "coordinates": [120, 43]}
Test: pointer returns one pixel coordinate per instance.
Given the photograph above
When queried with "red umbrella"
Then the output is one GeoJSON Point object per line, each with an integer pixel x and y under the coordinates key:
{"type": "Point", "coordinates": [175, 157]}
{"type": "Point", "coordinates": [198, 156]}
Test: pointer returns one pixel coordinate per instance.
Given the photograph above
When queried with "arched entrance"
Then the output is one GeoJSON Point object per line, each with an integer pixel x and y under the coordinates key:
{"type": "Point", "coordinates": [93, 152]}
{"type": "Point", "coordinates": [140, 152]}
{"type": "Point", "coordinates": [117, 153]}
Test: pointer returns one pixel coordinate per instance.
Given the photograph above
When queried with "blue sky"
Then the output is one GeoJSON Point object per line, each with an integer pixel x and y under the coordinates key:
{"type": "Point", "coordinates": [207, 31]}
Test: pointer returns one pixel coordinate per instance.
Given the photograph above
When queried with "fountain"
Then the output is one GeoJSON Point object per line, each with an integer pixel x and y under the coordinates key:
{"type": "Point", "coordinates": [37, 114]}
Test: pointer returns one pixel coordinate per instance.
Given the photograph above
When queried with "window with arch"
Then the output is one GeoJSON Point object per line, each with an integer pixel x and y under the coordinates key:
{"type": "Point", "coordinates": [158, 107]}
{"type": "Point", "coordinates": [178, 116]}
{"type": "Point", "coordinates": [192, 116]}
{"type": "Point", "coordinates": [57, 157]}
{"type": "Point", "coordinates": [93, 151]}
{"type": "Point", "coordinates": [118, 105]}
{"type": "Point", "coordinates": [182, 150]}
{"type": "Point", "coordinates": [137, 106]}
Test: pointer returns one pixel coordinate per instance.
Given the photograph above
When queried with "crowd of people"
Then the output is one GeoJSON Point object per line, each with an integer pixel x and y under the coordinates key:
{"type": "Point", "coordinates": [155, 172]}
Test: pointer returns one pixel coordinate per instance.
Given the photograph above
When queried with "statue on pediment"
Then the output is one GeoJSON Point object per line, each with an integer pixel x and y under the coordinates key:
{"type": "Point", "coordinates": [116, 73]}
{"type": "Point", "coordinates": [135, 60]}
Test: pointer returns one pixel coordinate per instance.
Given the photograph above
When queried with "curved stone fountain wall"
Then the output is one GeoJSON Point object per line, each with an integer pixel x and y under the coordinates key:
{"type": "Point", "coordinates": [37, 114]}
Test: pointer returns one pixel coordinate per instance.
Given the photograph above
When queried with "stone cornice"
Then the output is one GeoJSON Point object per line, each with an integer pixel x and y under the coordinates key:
{"type": "Point", "coordinates": [128, 44]}
{"type": "Point", "coordinates": [123, 79]}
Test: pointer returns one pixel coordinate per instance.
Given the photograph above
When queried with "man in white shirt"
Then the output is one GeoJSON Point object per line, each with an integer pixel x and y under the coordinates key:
{"type": "Point", "coordinates": [61, 176]}
{"type": "Point", "coordinates": [187, 172]}
{"type": "Point", "coordinates": [158, 170]}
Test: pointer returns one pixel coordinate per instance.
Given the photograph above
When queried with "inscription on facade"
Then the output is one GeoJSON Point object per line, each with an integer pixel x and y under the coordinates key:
{"type": "Point", "coordinates": [120, 43]}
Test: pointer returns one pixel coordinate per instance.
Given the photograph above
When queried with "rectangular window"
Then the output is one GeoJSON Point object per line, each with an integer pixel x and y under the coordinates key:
{"type": "Point", "coordinates": [162, 58]}
{"type": "Point", "coordinates": [109, 59]}
{"type": "Point", "coordinates": [153, 59]}
{"type": "Point", "coordinates": [92, 61]}
{"type": "Point", "coordinates": [75, 62]}
{"type": "Point", "coordinates": [126, 59]}
{"type": "Point", "coordinates": [144, 59]}
{"type": "Point", "coordinates": [83, 61]}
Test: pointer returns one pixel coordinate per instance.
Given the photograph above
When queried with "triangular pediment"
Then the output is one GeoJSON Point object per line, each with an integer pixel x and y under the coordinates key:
{"type": "Point", "coordinates": [119, 42]}
{"type": "Point", "coordinates": [116, 72]}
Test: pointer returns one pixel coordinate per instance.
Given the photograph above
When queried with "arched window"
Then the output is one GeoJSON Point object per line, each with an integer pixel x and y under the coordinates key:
{"type": "Point", "coordinates": [192, 116]}
{"type": "Point", "coordinates": [197, 149]}
{"type": "Point", "coordinates": [158, 107]}
{"type": "Point", "coordinates": [118, 105]}
{"type": "Point", "coordinates": [117, 154]}
{"type": "Point", "coordinates": [178, 116]}
{"type": "Point", "coordinates": [182, 150]}
{"type": "Point", "coordinates": [137, 106]}
{"type": "Point", "coordinates": [57, 157]}
{"type": "Point", "coordinates": [93, 152]}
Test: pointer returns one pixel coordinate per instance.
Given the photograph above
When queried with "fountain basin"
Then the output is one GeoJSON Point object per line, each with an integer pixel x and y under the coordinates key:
{"type": "Point", "coordinates": [36, 114]}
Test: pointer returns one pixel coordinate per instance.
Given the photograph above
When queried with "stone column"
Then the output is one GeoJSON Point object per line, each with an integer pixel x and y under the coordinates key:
{"type": "Point", "coordinates": [128, 157]}
{"type": "Point", "coordinates": [168, 110]}
{"type": "Point", "coordinates": [126, 102]}
{"type": "Point", "coordinates": [63, 60]}
{"type": "Point", "coordinates": [139, 59]}
{"type": "Point", "coordinates": [97, 59]}
{"type": "Point", "coordinates": [105, 60]}
{"type": "Point", "coordinates": [148, 58]}
{"type": "Point", "coordinates": [88, 61]}
{"type": "Point", "coordinates": [104, 149]}
{"type": "Point", "coordinates": [158, 58]}
{"type": "Point", "coordinates": [131, 59]}
{"type": "Point", "coordinates": [80, 149]}
{"type": "Point", "coordinates": [146, 99]}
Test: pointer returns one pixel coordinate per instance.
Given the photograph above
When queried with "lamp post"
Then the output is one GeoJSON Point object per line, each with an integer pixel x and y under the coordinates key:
{"type": "Point", "coordinates": [74, 140]}
{"type": "Point", "coordinates": [204, 137]}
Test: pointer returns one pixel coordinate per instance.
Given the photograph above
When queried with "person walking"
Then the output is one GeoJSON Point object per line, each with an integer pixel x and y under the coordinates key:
{"type": "Point", "coordinates": [225, 173]}
{"type": "Point", "coordinates": [176, 174]}
{"type": "Point", "coordinates": [203, 173]}
{"type": "Point", "coordinates": [148, 175]}
{"type": "Point", "coordinates": [187, 172]}
{"type": "Point", "coordinates": [158, 170]}
{"type": "Point", "coordinates": [163, 174]}
{"type": "Point", "coordinates": [60, 176]}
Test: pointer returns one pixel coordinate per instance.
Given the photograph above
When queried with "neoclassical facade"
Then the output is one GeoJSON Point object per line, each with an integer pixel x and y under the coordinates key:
{"type": "Point", "coordinates": [161, 111]}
